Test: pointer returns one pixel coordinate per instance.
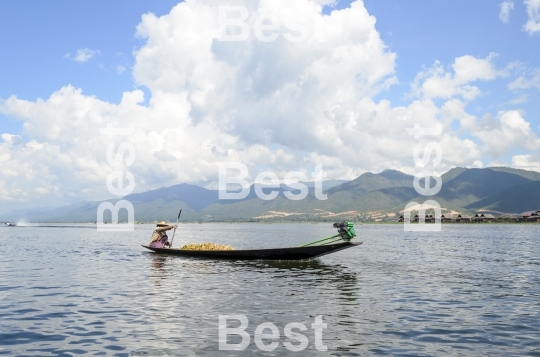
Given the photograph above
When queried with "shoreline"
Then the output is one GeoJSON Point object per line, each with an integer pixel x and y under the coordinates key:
{"type": "Point", "coordinates": [32, 224]}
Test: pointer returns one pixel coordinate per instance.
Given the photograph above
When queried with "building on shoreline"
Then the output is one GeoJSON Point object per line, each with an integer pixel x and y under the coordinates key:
{"type": "Point", "coordinates": [483, 218]}
{"type": "Point", "coordinates": [532, 216]}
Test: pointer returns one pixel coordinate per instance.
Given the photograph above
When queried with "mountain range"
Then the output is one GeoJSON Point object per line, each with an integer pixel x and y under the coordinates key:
{"type": "Point", "coordinates": [497, 189]}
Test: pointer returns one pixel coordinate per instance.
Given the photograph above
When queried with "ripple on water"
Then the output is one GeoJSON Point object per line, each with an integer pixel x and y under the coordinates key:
{"type": "Point", "coordinates": [466, 291]}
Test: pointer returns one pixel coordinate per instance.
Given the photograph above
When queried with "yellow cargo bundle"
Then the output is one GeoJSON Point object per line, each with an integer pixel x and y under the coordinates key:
{"type": "Point", "coordinates": [206, 246]}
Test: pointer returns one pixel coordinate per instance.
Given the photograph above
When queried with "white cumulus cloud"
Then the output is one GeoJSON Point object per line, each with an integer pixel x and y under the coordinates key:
{"type": "Point", "coordinates": [506, 7]}
{"type": "Point", "coordinates": [508, 130]}
{"type": "Point", "coordinates": [533, 12]}
{"type": "Point", "coordinates": [436, 82]}
{"type": "Point", "coordinates": [82, 55]}
{"type": "Point", "coordinates": [526, 81]}
{"type": "Point", "coordinates": [526, 162]}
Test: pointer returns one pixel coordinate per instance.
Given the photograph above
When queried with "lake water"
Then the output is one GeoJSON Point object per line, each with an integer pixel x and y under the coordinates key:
{"type": "Point", "coordinates": [469, 290]}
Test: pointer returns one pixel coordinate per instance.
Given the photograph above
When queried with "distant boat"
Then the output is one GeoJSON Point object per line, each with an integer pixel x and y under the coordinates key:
{"type": "Point", "coordinates": [10, 224]}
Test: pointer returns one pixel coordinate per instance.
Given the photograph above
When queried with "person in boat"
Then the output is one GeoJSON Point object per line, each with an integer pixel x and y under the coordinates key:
{"type": "Point", "coordinates": [159, 237]}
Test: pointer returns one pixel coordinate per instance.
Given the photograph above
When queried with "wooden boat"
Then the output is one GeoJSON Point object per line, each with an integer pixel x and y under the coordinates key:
{"type": "Point", "coordinates": [290, 253]}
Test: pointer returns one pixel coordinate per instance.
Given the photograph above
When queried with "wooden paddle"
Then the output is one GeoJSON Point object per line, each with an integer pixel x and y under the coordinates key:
{"type": "Point", "coordinates": [174, 232]}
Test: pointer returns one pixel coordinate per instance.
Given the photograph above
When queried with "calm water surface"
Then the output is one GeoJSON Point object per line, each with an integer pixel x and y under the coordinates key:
{"type": "Point", "coordinates": [470, 290]}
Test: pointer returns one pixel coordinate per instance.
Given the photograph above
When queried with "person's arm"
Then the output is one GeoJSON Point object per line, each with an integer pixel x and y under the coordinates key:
{"type": "Point", "coordinates": [163, 229]}
{"type": "Point", "coordinates": [169, 244]}
{"type": "Point", "coordinates": [168, 228]}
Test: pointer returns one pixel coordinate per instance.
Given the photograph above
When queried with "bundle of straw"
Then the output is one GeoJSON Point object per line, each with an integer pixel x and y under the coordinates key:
{"type": "Point", "coordinates": [206, 246]}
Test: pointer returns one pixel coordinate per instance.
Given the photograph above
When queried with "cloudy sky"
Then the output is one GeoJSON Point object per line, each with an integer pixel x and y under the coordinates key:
{"type": "Point", "coordinates": [340, 89]}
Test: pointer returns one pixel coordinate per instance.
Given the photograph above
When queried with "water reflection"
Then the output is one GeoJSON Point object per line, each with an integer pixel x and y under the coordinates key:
{"type": "Point", "coordinates": [319, 274]}
{"type": "Point", "coordinates": [158, 270]}
{"type": "Point", "coordinates": [318, 271]}
{"type": "Point", "coordinates": [158, 262]}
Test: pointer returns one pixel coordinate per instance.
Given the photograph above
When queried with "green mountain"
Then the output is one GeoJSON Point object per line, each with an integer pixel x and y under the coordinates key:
{"type": "Point", "coordinates": [194, 197]}
{"type": "Point", "coordinates": [514, 199]}
{"type": "Point", "coordinates": [162, 203]}
{"type": "Point", "coordinates": [464, 190]}
{"type": "Point", "coordinates": [368, 182]}
{"type": "Point", "coordinates": [159, 204]}
{"type": "Point", "coordinates": [367, 192]}
{"type": "Point", "coordinates": [472, 185]}
{"type": "Point", "coordinates": [452, 173]}
{"type": "Point", "coordinates": [531, 175]}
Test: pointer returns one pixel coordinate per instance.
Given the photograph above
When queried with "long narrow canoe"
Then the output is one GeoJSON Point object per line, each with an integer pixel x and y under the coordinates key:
{"type": "Point", "coordinates": [291, 253]}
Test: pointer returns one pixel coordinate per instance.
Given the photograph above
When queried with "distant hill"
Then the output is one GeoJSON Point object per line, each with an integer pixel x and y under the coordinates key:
{"type": "Point", "coordinates": [473, 185]}
{"type": "Point", "coordinates": [267, 189]}
{"type": "Point", "coordinates": [389, 191]}
{"type": "Point", "coordinates": [531, 175]}
{"type": "Point", "coordinates": [349, 196]}
{"type": "Point", "coordinates": [368, 182]}
{"type": "Point", "coordinates": [452, 173]}
{"type": "Point", "coordinates": [326, 184]}
{"type": "Point", "coordinates": [194, 197]}
{"type": "Point", "coordinates": [514, 199]}
{"type": "Point", "coordinates": [158, 204]}
{"type": "Point", "coordinates": [83, 211]}
{"type": "Point", "coordinates": [464, 190]}
{"type": "Point", "coordinates": [162, 203]}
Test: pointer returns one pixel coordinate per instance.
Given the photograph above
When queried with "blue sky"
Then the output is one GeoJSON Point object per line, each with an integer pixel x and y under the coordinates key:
{"type": "Point", "coordinates": [421, 32]}
{"type": "Point", "coordinates": [174, 84]}
{"type": "Point", "coordinates": [38, 34]}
